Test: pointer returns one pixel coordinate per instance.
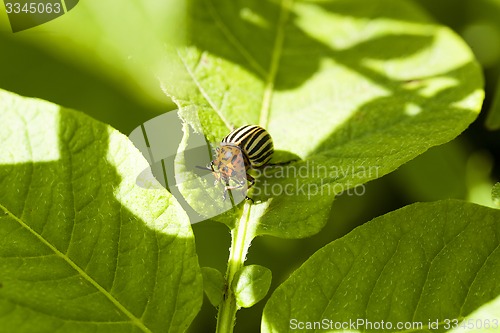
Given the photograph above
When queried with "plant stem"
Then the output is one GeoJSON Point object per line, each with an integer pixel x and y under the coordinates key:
{"type": "Point", "coordinates": [241, 236]}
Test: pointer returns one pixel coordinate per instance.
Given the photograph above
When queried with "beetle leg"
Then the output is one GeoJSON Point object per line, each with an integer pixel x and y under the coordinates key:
{"type": "Point", "coordinates": [233, 187]}
{"type": "Point", "coordinates": [251, 180]}
{"type": "Point", "coordinates": [227, 188]}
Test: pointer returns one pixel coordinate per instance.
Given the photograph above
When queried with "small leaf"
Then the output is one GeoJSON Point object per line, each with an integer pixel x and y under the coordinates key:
{"type": "Point", "coordinates": [213, 284]}
{"type": "Point", "coordinates": [422, 263]}
{"type": "Point", "coordinates": [84, 249]}
{"type": "Point", "coordinates": [251, 284]}
{"type": "Point", "coordinates": [495, 194]}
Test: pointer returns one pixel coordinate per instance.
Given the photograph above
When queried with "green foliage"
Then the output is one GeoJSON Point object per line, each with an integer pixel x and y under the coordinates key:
{"type": "Point", "coordinates": [213, 284]}
{"type": "Point", "coordinates": [484, 319]}
{"type": "Point", "coordinates": [425, 262]}
{"type": "Point", "coordinates": [251, 285]}
{"type": "Point", "coordinates": [83, 247]}
{"type": "Point", "coordinates": [101, 57]}
{"type": "Point", "coordinates": [495, 194]}
{"type": "Point", "coordinates": [353, 91]}
{"type": "Point", "coordinates": [477, 22]}
{"type": "Point", "coordinates": [377, 90]}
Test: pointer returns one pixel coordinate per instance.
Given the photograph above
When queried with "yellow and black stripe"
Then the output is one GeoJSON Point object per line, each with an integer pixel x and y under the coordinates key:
{"type": "Point", "coordinates": [254, 141]}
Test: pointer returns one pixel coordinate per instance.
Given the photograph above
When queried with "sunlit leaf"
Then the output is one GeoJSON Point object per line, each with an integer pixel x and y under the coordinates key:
{"type": "Point", "coordinates": [213, 284]}
{"type": "Point", "coordinates": [122, 41]}
{"type": "Point", "coordinates": [251, 284]}
{"type": "Point", "coordinates": [425, 263]}
{"type": "Point", "coordinates": [353, 90]}
{"type": "Point", "coordinates": [83, 248]}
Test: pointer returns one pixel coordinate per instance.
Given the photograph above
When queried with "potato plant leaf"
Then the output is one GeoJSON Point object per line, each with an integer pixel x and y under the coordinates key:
{"type": "Point", "coordinates": [424, 263]}
{"type": "Point", "coordinates": [484, 319]}
{"type": "Point", "coordinates": [251, 284]}
{"type": "Point", "coordinates": [351, 89]}
{"type": "Point", "coordinates": [84, 249]}
{"type": "Point", "coordinates": [213, 284]}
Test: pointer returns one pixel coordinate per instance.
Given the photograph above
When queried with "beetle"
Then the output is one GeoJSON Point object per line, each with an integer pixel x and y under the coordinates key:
{"type": "Point", "coordinates": [247, 147]}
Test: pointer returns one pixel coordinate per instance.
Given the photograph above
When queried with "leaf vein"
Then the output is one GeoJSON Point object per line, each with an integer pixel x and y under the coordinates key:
{"type": "Point", "coordinates": [136, 321]}
{"type": "Point", "coordinates": [72, 194]}
{"type": "Point", "coordinates": [234, 41]}
{"type": "Point", "coordinates": [475, 277]}
{"type": "Point", "coordinates": [53, 315]}
{"type": "Point", "coordinates": [379, 275]}
{"type": "Point", "coordinates": [275, 62]}
{"type": "Point", "coordinates": [204, 92]}
{"type": "Point", "coordinates": [430, 266]}
{"type": "Point", "coordinates": [32, 168]}
{"type": "Point", "coordinates": [117, 250]}
{"type": "Point", "coordinates": [338, 285]}
{"type": "Point", "coordinates": [157, 267]}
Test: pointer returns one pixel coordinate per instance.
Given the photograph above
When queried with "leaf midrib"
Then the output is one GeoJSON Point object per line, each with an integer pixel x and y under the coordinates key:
{"type": "Point", "coordinates": [203, 92]}
{"type": "Point", "coordinates": [136, 321]}
{"type": "Point", "coordinates": [285, 6]}
{"type": "Point", "coordinates": [277, 49]}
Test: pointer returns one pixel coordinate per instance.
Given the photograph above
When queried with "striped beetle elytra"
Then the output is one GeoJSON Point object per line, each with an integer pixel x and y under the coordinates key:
{"type": "Point", "coordinates": [247, 147]}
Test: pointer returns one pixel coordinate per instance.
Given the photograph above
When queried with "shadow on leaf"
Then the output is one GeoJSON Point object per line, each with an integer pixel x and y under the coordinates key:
{"type": "Point", "coordinates": [74, 254]}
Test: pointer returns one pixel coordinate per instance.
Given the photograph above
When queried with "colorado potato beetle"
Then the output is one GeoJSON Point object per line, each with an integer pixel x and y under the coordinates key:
{"type": "Point", "coordinates": [247, 147]}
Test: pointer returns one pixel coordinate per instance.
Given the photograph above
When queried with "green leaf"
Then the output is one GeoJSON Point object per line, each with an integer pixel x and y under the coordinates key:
{"type": "Point", "coordinates": [484, 319]}
{"type": "Point", "coordinates": [495, 194]}
{"type": "Point", "coordinates": [122, 41]}
{"type": "Point", "coordinates": [251, 284]}
{"type": "Point", "coordinates": [425, 262]}
{"type": "Point", "coordinates": [84, 248]}
{"type": "Point", "coordinates": [438, 174]}
{"type": "Point", "coordinates": [354, 90]}
{"type": "Point", "coordinates": [176, 152]}
{"type": "Point", "coordinates": [213, 284]}
{"type": "Point", "coordinates": [493, 119]}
